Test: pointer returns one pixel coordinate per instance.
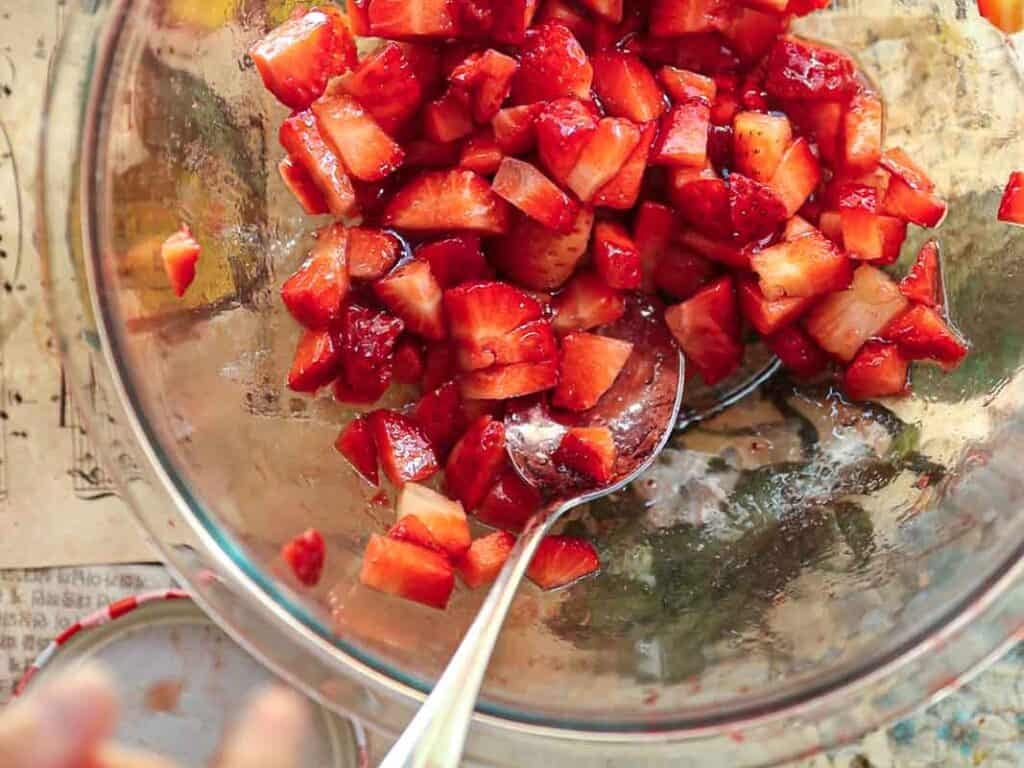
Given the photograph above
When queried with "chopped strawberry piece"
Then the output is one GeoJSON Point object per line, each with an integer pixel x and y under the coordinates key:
{"type": "Point", "coordinates": [302, 186]}
{"type": "Point", "coordinates": [683, 85]}
{"type": "Point", "coordinates": [387, 85]}
{"type": "Point", "coordinates": [305, 555]}
{"type": "Point", "coordinates": [704, 205]}
{"type": "Point", "coordinates": [316, 361]}
{"type": "Point", "coordinates": [729, 254]}
{"type": "Point", "coordinates": [871, 237]}
{"type": "Point", "coordinates": [681, 273]}
{"type": "Point", "coordinates": [443, 517]}
{"type": "Point", "coordinates": [358, 16]}
{"type": "Point", "coordinates": [511, 20]}
{"type": "Point", "coordinates": [414, 531]}
{"type": "Point", "coordinates": [316, 292]}
{"type": "Point", "coordinates": [724, 108]}
{"type": "Point", "coordinates": [408, 362]}
{"type": "Point", "coordinates": [535, 194]}
{"type": "Point", "coordinates": [603, 156]}
{"type": "Point", "coordinates": [448, 118]}
{"type": "Point", "coordinates": [797, 227]}
{"type": "Point", "coordinates": [1011, 207]}
{"type": "Point", "coordinates": [482, 312]}
{"type": "Point", "coordinates": [588, 451]}
{"type": "Point", "coordinates": [355, 443]}
{"type": "Point", "coordinates": [440, 415]}
{"type": "Point", "coordinates": [670, 18]}
{"type": "Point", "coordinates": [297, 58]}
{"type": "Point", "coordinates": [831, 224]}
{"type": "Point", "coordinates": [301, 137]}
{"type": "Point", "coordinates": [898, 163]}
{"type": "Point", "coordinates": [923, 283]}
{"type": "Point", "coordinates": [808, 266]}
{"type": "Point", "coordinates": [879, 370]}
{"type": "Point", "coordinates": [654, 228]}
{"type": "Point", "coordinates": [587, 302]}
{"type": "Point", "coordinates": [179, 254]}
{"type": "Point", "coordinates": [797, 351]}
{"type": "Point", "coordinates": [367, 152]}
{"type": "Point", "coordinates": [683, 139]}
{"type": "Point", "coordinates": [502, 382]}
{"type": "Point", "coordinates": [412, 293]}
{"type": "Point", "coordinates": [564, 127]}
{"type": "Point", "coordinates": [371, 253]}
{"type": "Point", "coordinates": [552, 64]}
{"type": "Point", "coordinates": [752, 33]}
{"type": "Point", "coordinates": [922, 334]}
{"type": "Point", "coordinates": [406, 570]}
{"type": "Point", "coordinates": [510, 503]}
{"type": "Point", "coordinates": [759, 143]}
{"type": "Point", "coordinates": [862, 131]}
{"type": "Point", "coordinates": [588, 367]}
{"type": "Point", "coordinates": [844, 320]}
{"type": "Point", "coordinates": [368, 345]}
{"type": "Point", "coordinates": [446, 200]}
{"type": "Point", "coordinates": [481, 153]}
{"type": "Point", "coordinates": [616, 257]}
{"type": "Point", "coordinates": [624, 188]}
{"type": "Point", "coordinates": [626, 87]}
{"type": "Point", "coordinates": [562, 560]}
{"type": "Point", "coordinates": [404, 19]}
{"type": "Point", "coordinates": [490, 83]}
{"type": "Point", "coordinates": [798, 69]}
{"type": "Point", "coordinates": [797, 176]}
{"type": "Point", "coordinates": [539, 258]}
{"type": "Point", "coordinates": [707, 329]}
{"type": "Point", "coordinates": [769, 316]}
{"type": "Point", "coordinates": [515, 130]}
{"type": "Point", "coordinates": [1007, 15]}
{"type": "Point", "coordinates": [406, 454]}
{"type": "Point", "coordinates": [821, 121]}
{"type": "Point", "coordinates": [756, 211]}
{"type": "Point", "coordinates": [852, 195]}
{"type": "Point", "coordinates": [485, 559]}
{"type": "Point", "coordinates": [439, 365]}
{"type": "Point", "coordinates": [568, 14]}
{"type": "Point", "coordinates": [474, 461]}
{"type": "Point", "coordinates": [531, 342]}
{"type": "Point", "coordinates": [455, 260]}
{"type": "Point", "coordinates": [914, 205]}
{"type": "Point", "coordinates": [431, 154]}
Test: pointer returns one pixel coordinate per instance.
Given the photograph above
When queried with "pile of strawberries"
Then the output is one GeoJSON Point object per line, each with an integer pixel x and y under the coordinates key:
{"type": "Point", "coordinates": [517, 168]}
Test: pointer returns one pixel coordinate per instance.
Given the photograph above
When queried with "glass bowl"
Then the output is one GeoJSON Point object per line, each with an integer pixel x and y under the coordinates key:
{"type": "Point", "coordinates": [792, 572]}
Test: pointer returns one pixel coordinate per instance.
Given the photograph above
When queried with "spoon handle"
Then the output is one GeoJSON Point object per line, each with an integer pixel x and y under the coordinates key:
{"type": "Point", "coordinates": [435, 737]}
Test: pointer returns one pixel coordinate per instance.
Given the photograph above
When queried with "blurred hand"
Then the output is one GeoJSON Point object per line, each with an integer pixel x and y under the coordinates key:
{"type": "Point", "coordinates": [68, 723]}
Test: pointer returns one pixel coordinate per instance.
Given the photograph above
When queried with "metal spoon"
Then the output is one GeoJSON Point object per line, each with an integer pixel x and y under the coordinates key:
{"type": "Point", "coordinates": [640, 410]}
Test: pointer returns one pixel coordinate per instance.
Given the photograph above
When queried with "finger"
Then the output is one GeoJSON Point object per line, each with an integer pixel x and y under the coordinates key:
{"type": "Point", "coordinates": [112, 756]}
{"type": "Point", "coordinates": [271, 733]}
{"type": "Point", "coordinates": [56, 726]}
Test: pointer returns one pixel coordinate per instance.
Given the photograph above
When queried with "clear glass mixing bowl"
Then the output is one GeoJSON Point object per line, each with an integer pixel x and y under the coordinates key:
{"type": "Point", "coordinates": [791, 572]}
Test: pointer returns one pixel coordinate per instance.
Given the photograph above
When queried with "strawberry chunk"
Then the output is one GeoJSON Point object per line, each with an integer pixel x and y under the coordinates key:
{"type": "Point", "coordinates": [297, 58]}
{"type": "Point", "coordinates": [704, 205]}
{"type": "Point", "coordinates": [489, 80]}
{"type": "Point", "coordinates": [316, 361]}
{"type": "Point", "coordinates": [588, 451]}
{"type": "Point", "coordinates": [681, 273]}
{"type": "Point", "coordinates": [562, 560]}
{"type": "Point", "coordinates": [766, 315]}
{"type": "Point", "coordinates": [368, 346]}
{"type": "Point", "coordinates": [414, 295]}
{"type": "Point", "coordinates": [535, 194]}
{"type": "Point", "coordinates": [729, 254]}
{"type": "Point", "coordinates": [412, 530]}
{"type": "Point", "coordinates": [305, 555]}
{"type": "Point", "coordinates": [302, 186]}
{"type": "Point", "coordinates": [879, 370]}
{"type": "Point", "coordinates": [670, 18]}
{"type": "Point", "coordinates": [852, 195]}
{"type": "Point", "coordinates": [443, 517]}
{"type": "Point", "coordinates": [301, 138]}
{"type": "Point", "coordinates": [798, 69]}
{"type": "Point", "coordinates": [406, 454]}
{"type": "Point", "coordinates": [531, 342]}
{"type": "Point", "coordinates": [923, 283]}
{"type": "Point", "coordinates": [808, 266]}
{"type": "Point", "coordinates": [387, 85]}
{"type": "Point", "coordinates": [754, 208]}
{"type": "Point", "coordinates": [370, 253]}
{"type": "Point", "coordinates": [485, 559]}
{"type": "Point", "coordinates": [563, 128]}
{"type": "Point", "coordinates": [448, 118]}
{"type": "Point", "coordinates": [683, 85]}
{"type": "Point", "coordinates": [440, 415]}
{"type": "Point", "coordinates": [752, 33]}
{"type": "Point", "coordinates": [446, 200]}
{"type": "Point", "coordinates": [626, 87]}
{"type": "Point", "coordinates": [408, 363]}
{"type": "Point", "coordinates": [862, 131]}
{"type": "Point", "coordinates": [623, 190]}
{"type": "Point", "coordinates": [406, 570]}
{"type": "Point", "coordinates": [355, 443]}
{"type": "Point", "coordinates": [898, 163]}
{"type": "Point", "coordinates": [917, 206]}
{"type": "Point", "coordinates": [587, 302]}
{"type": "Point", "coordinates": [871, 237]}
{"type": "Point", "coordinates": [759, 143]}
{"type": "Point", "coordinates": [481, 153]}
{"type": "Point", "coordinates": [922, 334]}
{"type": "Point", "coordinates": [1011, 207]}
{"type": "Point", "coordinates": [474, 461]}
{"type": "Point", "coordinates": [797, 351]}
{"type": "Point", "coordinates": [588, 367]}
{"type": "Point", "coordinates": [511, 20]}
{"type": "Point", "coordinates": [510, 503]}
{"type": "Point", "coordinates": [603, 156]}
{"type": "Point", "coordinates": [482, 312]}
{"type": "Point", "coordinates": [179, 254]}
{"type": "Point", "coordinates": [367, 152]}
{"type": "Point", "coordinates": [707, 329]}
{"type": "Point", "coordinates": [515, 130]}
{"type": "Point", "coordinates": [683, 139]}
{"type": "Point", "coordinates": [844, 320]}
{"type": "Point", "coordinates": [797, 176]}
{"type": "Point", "coordinates": [552, 64]}
{"type": "Point", "coordinates": [422, 153]}
{"type": "Point", "coordinates": [502, 382]}
{"type": "Point", "coordinates": [538, 258]}
{"type": "Point", "coordinates": [654, 228]}
{"type": "Point", "coordinates": [831, 224]}
{"type": "Point", "coordinates": [404, 19]}
{"type": "Point", "coordinates": [616, 257]}
{"type": "Point", "coordinates": [316, 292]}
{"type": "Point", "coordinates": [455, 260]}
{"type": "Point", "coordinates": [568, 14]}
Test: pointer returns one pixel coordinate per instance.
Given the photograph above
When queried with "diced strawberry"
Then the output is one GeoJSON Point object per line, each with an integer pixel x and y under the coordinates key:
{"type": "Point", "coordinates": [482, 312]}
{"type": "Point", "coordinates": [612, 10]}
{"type": "Point", "coordinates": [481, 153]}
{"type": "Point", "coordinates": [681, 273]}
{"type": "Point", "coordinates": [707, 329]}
{"type": "Point", "coordinates": [515, 130]}
{"type": "Point", "coordinates": [871, 237]}
{"type": "Point", "coordinates": [808, 266]}
{"type": "Point", "coordinates": [670, 18]}
{"type": "Point", "coordinates": [616, 257]}
{"type": "Point", "coordinates": [491, 84]}
{"type": "Point", "coordinates": [358, 12]}
{"type": "Point", "coordinates": [588, 451]}
{"type": "Point", "coordinates": [683, 85]}
{"type": "Point", "coordinates": [797, 176]}
{"type": "Point", "coordinates": [305, 555]}
{"type": "Point", "coordinates": [862, 131]}
{"type": "Point", "coordinates": [371, 253]}
{"type": "Point", "coordinates": [752, 33]}
{"type": "Point", "coordinates": [654, 227]}
{"type": "Point", "coordinates": [406, 454]}
{"type": "Point", "coordinates": [922, 334]}
{"type": "Point", "coordinates": [720, 252]}
{"type": "Point", "coordinates": [604, 154]}
{"type": "Point", "coordinates": [531, 342]}
{"type": "Point", "coordinates": [440, 415]}
{"type": "Point", "coordinates": [923, 282]}
{"type": "Point", "coordinates": [844, 320]}
{"type": "Point", "coordinates": [406, 570]}
{"type": "Point", "coordinates": [302, 186]}
{"type": "Point", "coordinates": [769, 316]}
{"type": "Point", "coordinates": [798, 69]}
{"type": "Point", "coordinates": [588, 367]}
{"type": "Point", "coordinates": [626, 87]}
{"type": "Point", "coordinates": [502, 382]}
{"type": "Point", "coordinates": [404, 19]}
{"type": "Point", "coordinates": [485, 559]}
{"type": "Point", "coordinates": [562, 560]}
{"type": "Point", "coordinates": [387, 85]}
{"type": "Point", "coordinates": [511, 20]}
{"type": "Point", "coordinates": [179, 254]}
{"type": "Point", "coordinates": [879, 370]}
{"type": "Point", "coordinates": [823, 122]}
{"type": "Point", "coordinates": [535, 194]}
{"type": "Point", "coordinates": [759, 143]}
{"type": "Point", "coordinates": [852, 195]}
{"type": "Point", "coordinates": [510, 503]}
{"type": "Point", "coordinates": [448, 118]}
{"type": "Point", "coordinates": [443, 517]}
{"type": "Point", "coordinates": [414, 531]}
{"type": "Point", "coordinates": [408, 364]}
{"type": "Point", "coordinates": [831, 224]}
{"type": "Point", "coordinates": [914, 205]}
{"type": "Point", "coordinates": [704, 205]}
{"type": "Point", "coordinates": [1011, 207]}
{"type": "Point", "coordinates": [538, 258]}
{"type": "Point", "coordinates": [316, 292]}
{"type": "Point", "coordinates": [367, 152]}
{"type": "Point", "coordinates": [454, 260]}
{"type": "Point", "coordinates": [301, 137]}
{"type": "Point", "coordinates": [552, 64]}
{"type": "Point", "coordinates": [439, 365]}
{"type": "Point", "coordinates": [446, 200]}
{"type": "Point", "coordinates": [432, 154]}
{"type": "Point", "coordinates": [368, 345]}
{"type": "Point", "coordinates": [724, 108]}
{"type": "Point", "coordinates": [355, 443]}
{"type": "Point", "coordinates": [797, 351]}
{"type": "Point", "coordinates": [563, 127]}
{"type": "Point", "coordinates": [756, 211]}
{"type": "Point", "coordinates": [1007, 15]}
{"type": "Point", "coordinates": [587, 302]}
{"type": "Point", "coordinates": [898, 163]}
{"type": "Point", "coordinates": [297, 58]}
{"type": "Point", "coordinates": [316, 361]}
{"type": "Point", "coordinates": [683, 139]}
{"type": "Point", "coordinates": [412, 293]}
{"type": "Point", "coordinates": [624, 188]}
{"type": "Point", "coordinates": [474, 461]}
